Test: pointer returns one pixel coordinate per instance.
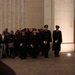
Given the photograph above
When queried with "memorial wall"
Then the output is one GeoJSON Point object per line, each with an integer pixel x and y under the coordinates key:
{"type": "Point", "coordinates": [64, 17]}
{"type": "Point", "coordinates": [16, 14]}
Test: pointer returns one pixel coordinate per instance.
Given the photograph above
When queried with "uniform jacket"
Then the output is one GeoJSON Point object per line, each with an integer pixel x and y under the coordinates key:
{"type": "Point", "coordinates": [57, 39]}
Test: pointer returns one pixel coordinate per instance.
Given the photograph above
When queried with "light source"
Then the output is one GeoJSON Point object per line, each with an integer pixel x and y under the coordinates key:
{"type": "Point", "coordinates": [68, 54]}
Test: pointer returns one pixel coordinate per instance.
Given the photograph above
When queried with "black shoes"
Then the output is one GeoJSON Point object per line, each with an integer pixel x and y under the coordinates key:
{"type": "Point", "coordinates": [57, 56]}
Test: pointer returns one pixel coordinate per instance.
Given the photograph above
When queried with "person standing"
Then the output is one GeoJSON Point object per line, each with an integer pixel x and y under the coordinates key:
{"type": "Point", "coordinates": [11, 44]}
{"type": "Point", "coordinates": [34, 43]}
{"type": "Point", "coordinates": [3, 45]}
{"type": "Point", "coordinates": [17, 44]}
{"type": "Point", "coordinates": [46, 41]}
{"type": "Point", "coordinates": [7, 35]}
{"type": "Point", "coordinates": [23, 45]}
{"type": "Point", "coordinates": [57, 40]}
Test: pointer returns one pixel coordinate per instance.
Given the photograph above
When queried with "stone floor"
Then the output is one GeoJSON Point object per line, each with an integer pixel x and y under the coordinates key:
{"type": "Point", "coordinates": [63, 65]}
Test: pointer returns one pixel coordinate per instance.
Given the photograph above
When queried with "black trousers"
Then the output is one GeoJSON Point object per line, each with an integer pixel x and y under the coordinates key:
{"type": "Point", "coordinates": [7, 50]}
{"type": "Point", "coordinates": [23, 52]}
{"type": "Point", "coordinates": [17, 50]}
{"type": "Point", "coordinates": [56, 53]}
{"type": "Point", "coordinates": [56, 49]}
{"type": "Point", "coordinates": [12, 53]}
{"type": "Point", "coordinates": [46, 50]}
{"type": "Point", "coordinates": [46, 53]}
{"type": "Point", "coordinates": [34, 52]}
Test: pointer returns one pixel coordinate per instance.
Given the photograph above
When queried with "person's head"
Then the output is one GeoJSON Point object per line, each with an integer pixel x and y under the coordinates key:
{"type": "Point", "coordinates": [46, 27]}
{"type": "Point", "coordinates": [11, 32]}
{"type": "Point", "coordinates": [17, 32]}
{"type": "Point", "coordinates": [34, 31]}
{"type": "Point", "coordinates": [30, 29]}
{"type": "Point", "coordinates": [27, 29]}
{"type": "Point", "coordinates": [57, 27]}
{"type": "Point", "coordinates": [3, 33]}
{"type": "Point", "coordinates": [6, 30]}
{"type": "Point", "coordinates": [23, 32]}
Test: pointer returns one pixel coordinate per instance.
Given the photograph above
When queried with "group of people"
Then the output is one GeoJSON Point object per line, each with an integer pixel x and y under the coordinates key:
{"type": "Point", "coordinates": [30, 42]}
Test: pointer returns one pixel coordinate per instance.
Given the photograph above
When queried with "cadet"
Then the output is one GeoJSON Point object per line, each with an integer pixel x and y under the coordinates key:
{"type": "Point", "coordinates": [17, 43]}
{"type": "Point", "coordinates": [23, 45]}
{"type": "Point", "coordinates": [57, 39]}
{"type": "Point", "coordinates": [46, 41]}
{"type": "Point", "coordinates": [34, 43]}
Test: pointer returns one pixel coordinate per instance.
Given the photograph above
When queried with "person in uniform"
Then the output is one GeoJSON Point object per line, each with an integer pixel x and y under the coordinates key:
{"type": "Point", "coordinates": [46, 41]}
{"type": "Point", "coordinates": [34, 43]}
{"type": "Point", "coordinates": [23, 46]}
{"type": "Point", "coordinates": [40, 33]}
{"type": "Point", "coordinates": [17, 43]}
{"type": "Point", "coordinates": [57, 40]}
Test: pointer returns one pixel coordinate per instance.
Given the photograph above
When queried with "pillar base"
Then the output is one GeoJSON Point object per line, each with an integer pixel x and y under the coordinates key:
{"type": "Point", "coordinates": [66, 47]}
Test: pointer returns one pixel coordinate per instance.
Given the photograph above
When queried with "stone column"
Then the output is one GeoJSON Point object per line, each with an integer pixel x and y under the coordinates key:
{"type": "Point", "coordinates": [48, 13]}
{"type": "Point", "coordinates": [64, 17]}
{"type": "Point", "coordinates": [35, 13]}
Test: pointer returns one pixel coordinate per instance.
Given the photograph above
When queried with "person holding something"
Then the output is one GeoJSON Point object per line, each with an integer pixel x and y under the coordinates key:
{"type": "Point", "coordinates": [57, 40]}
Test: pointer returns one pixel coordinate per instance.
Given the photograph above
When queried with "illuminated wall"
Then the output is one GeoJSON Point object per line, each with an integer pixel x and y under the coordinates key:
{"type": "Point", "coordinates": [16, 14]}
{"type": "Point", "coordinates": [12, 14]}
{"type": "Point", "coordinates": [61, 12]}
{"type": "Point", "coordinates": [64, 17]}
{"type": "Point", "coordinates": [47, 13]}
{"type": "Point", "coordinates": [35, 13]}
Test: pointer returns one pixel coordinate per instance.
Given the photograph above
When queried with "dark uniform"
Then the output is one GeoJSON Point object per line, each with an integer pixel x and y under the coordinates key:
{"type": "Point", "coordinates": [34, 44]}
{"type": "Point", "coordinates": [17, 44]}
{"type": "Point", "coordinates": [23, 46]}
{"type": "Point", "coordinates": [46, 41]}
{"type": "Point", "coordinates": [41, 41]}
{"type": "Point", "coordinates": [28, 34]}
{"type": "Point", "coordinates": [7, 49]}
{"type": "Point", "coordinates": [57, 39]}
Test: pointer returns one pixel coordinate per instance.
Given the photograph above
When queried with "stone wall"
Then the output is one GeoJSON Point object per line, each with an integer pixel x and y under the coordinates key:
{"type": "Point", "coordinates": [16, 14]}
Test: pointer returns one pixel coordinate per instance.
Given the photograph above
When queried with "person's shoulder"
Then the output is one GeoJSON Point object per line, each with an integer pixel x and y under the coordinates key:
{"type": "Point", "coordinates": [49, 31]}
{"type": "Point", "coordinates": [59, 30]}
{"type": "Point", "coordinates": [54, 30]}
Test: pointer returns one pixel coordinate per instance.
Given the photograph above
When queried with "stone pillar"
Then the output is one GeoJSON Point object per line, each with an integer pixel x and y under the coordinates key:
{"type": "Point", "coordinates": [64, 17]}
{"type": "Point", "coordinates": [15, 14]}
{"type": "Point", "coordinates": [48, 13]}
{"type": "Point", "coordinates": [35, 13]}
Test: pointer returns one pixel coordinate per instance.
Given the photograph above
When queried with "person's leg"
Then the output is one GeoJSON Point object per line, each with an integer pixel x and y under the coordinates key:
{"type": "Point", "coordinates": [58, 53]}
{"type": "Point", "coordinates": [13, 53]}
{"type": "Point", "coordinates": [46, 53]}
{"type": "Point", "coordinates": [4, 50]}
{"type": "Point", "coordinates": [55, 53]}
{"type": "Point", "coordinates": [7, 50]}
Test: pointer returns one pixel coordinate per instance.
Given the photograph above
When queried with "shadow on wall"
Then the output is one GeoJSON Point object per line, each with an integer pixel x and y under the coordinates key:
{"type": "Point", "coordinates": [5, 70]}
